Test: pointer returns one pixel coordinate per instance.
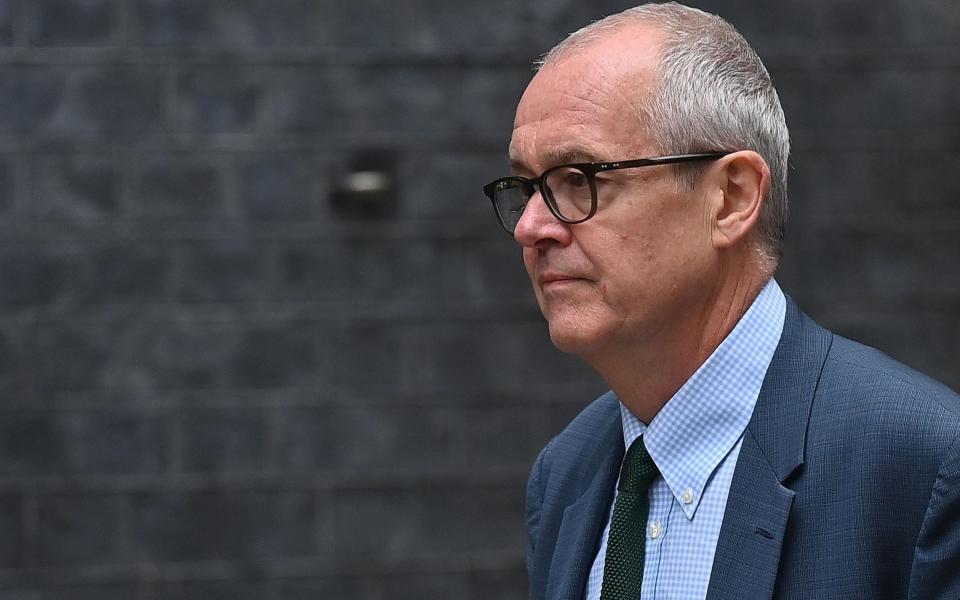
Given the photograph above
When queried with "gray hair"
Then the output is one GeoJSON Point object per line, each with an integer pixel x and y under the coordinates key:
{"type": "Point", "coordinates": [714, 94]}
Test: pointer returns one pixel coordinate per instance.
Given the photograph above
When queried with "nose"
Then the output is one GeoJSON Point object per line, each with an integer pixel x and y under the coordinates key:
{"type": "Point", "coordinates": [538, 226]}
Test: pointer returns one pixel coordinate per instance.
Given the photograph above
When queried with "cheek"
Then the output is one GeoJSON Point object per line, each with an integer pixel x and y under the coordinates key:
{"type": "Point", "coordinates": [530, 262]}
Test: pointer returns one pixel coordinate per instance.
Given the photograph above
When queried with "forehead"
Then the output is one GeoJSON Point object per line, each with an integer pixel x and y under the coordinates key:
{"type": "Point", "coordinates": [585, 105]}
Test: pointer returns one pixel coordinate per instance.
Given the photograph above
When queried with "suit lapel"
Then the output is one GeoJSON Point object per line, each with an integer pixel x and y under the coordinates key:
{"type": "Point", "coordinates": [584, 520]}
{"type": "Point", "coordinates": [758, 505]}
{"type": "Point", "coordinates": [751, 537]}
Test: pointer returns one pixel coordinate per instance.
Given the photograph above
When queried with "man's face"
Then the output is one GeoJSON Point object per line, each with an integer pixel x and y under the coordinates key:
{"type": "Point", "coordinates": [641, 266]}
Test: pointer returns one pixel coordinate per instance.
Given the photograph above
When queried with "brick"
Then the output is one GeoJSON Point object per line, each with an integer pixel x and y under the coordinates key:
{"type": "Point", "coordinates": [845, 22]}
{"type": "Point", "coordinates": [493, 273]}
{"type": "Point", "coordinates": [427, 522]}
{"type": "Point", "coordinates": [6, 28]}
{"type": "Point", "coordinates": [561, 411]}
{"type": "Point", "coordinates": [279, 354]}
{"type": "Point", "coordinates": [70, 274]}
{"type": "Point", "coordinates": [370, 437]}
{"type": "Point", "coordinates": [174, 22]}
{"type": "Point", "coordinates": [363, 273]}
{"type": "Point", "coordinates": [117, 100]}
{"type": "Point", "coordinates": [7, 185]}
{"type": "Point", "coordinates": [435, 25]}
{"type": "Point", "coordinates": [15, 361]}
{"type": "Point", "coordinates": [102, 100]}
{"type": "Point", "coordinates": [506, 584]}
{"type": "Point", "coordinates": [929, 23]}
{"type": "Point", "coordinates": [31, 95]}
{"type": "Point", "coordinates": [117, 443]}
{"type": "Point", "coordinates": [27, 279]}
{"type": "Point", "coordinates": [925, 340]}
{"type": "Point", "coordinates": [373, 353]}
{"type": "Point", "coordinates": [490, 98]}
{"type": "Point", "coordinates": [72, 22]}
{"type": "Point", "coordinates": [235, 525]}
{"type": "Point", "coordinates": [136, 356]}
{"type": "Point", "coordinates": [887, 264]}
{"type": "Point", "coordinates": [84, 591]}
{"type": "Point", "coordinates": [67, 275]}
{"type": "Point", "coordinates": [549, 21]}
{"type": "Point", "coordinates": [80, 443]}
{"type": "Point", "coordinates": [493, 356]}
{"type": "Point", "coordinates": [223, 440]}
{"type": "Point", "coordinates": [12, 542]}
{"type": "Point", "coordinates": [439, 185]}
{"type": "Point", "coordinates": [283, 187]}
{"type": "Point", "coordinates": [454, 515]}
{"type": "Point", "coordinates": [222, 272]}
{"type": "Point", "coordinates": [416, 586]}
{"type": "Point", "coordinates": [859, 184]}
{"type": "Point", "coordinates": [128, 273]}
{"type": "Point", "coordinates": [795, 24]}
{"type": "Point", "coordinates": [181, 354]}
{"type": "Point", "coordinates": [71, 357]}
{"type": "Point", "coordinates": [180, 187]}
{"type": "Point", "coordinates": [338, 586]}
{"type": "Point", "coordinates": [362, 530]}
{"type": "Point", "coordinates": [221, 99]}
{"type": "Point", "coordinates": [855, 97]}
{"type": "Point", "coordinates": [34, 445]}
{"type": "Point", "coordinates": [366, 100]}
{"type": "Point", "coordinates": [509, 436]}
{"type": "Point", "coordinates": [77, 529]}
{"type": "Point", "coordinates": [317, 271]}
{"type": "Point", "coordinates": [228, 23]}
{"type": "Point", "coordinates": [241, 589]}
{"type": "Point", "coordinates": [360, 24]}
{"type": "Point", "coordinates": [75, 189]}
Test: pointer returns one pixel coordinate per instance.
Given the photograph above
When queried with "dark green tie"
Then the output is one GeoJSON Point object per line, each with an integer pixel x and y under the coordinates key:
{"type": "Point", "coordinates": [623, 565]}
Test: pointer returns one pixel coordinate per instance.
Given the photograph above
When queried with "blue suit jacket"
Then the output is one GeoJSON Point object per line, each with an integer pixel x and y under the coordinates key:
{"type": "Point", "coordinates": [847, 485]}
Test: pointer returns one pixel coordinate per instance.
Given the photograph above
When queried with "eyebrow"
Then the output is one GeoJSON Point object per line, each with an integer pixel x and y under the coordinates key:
{"type": "Point", "coordinates": [562, 156]}
{"type": "Point", "coordinates": [559, 156]}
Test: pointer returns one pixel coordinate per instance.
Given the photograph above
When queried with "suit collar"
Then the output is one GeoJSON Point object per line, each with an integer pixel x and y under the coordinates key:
{"type": "Point", "coordinates": [779, 422]}
{"type": "Point", "coordinates": [758, 505]}
{"type": "Point", "coordinates": [585, 517]}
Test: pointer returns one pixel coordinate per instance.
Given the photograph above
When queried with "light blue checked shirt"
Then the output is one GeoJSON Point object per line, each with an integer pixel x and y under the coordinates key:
{"type": "Point", "coordinates": [695, 440]}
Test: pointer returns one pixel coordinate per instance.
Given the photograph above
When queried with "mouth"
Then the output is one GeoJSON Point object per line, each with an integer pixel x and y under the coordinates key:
{"type": "Point", "coordinates": [556, 280]}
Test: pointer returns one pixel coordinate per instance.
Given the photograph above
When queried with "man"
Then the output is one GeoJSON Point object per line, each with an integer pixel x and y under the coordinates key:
{"type": "Point", "coordinates": [768, 458]}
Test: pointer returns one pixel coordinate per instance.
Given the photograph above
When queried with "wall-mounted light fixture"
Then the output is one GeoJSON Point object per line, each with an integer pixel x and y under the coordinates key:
{"type": "Point", "coordinates": [366, 188]}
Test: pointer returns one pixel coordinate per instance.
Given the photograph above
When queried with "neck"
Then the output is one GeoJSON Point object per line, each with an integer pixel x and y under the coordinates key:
{"type": "Point", "coordinates": [645, 375]}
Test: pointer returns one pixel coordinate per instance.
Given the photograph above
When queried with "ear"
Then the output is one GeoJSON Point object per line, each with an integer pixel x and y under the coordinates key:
{"type": "Point", "coordinates": [743, 181]}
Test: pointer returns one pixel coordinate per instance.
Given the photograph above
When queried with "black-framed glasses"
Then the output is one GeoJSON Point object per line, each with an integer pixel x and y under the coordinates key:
{"type": "Point", "coordinates": [570, 191]}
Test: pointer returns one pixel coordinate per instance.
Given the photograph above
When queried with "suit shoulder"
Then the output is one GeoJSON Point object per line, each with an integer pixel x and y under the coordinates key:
{"type": "Point", "coordinates": [883, 375]}
{"type": "Point", "coordinates": [587, 435]}
{"type": "Point", "coordinates": [881, 393]}
{"type": "Point", "coordinates": [594, 418]}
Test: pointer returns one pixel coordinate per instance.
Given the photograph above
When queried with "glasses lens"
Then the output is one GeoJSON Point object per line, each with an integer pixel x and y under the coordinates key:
{"type": "Point", "coordinates": [511, 196]}
{"type": "Point", "coordinates": [572, 193]}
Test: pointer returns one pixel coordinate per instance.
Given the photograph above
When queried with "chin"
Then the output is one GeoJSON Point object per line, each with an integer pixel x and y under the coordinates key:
{"type": "Point", "coordinates": [573, 338]}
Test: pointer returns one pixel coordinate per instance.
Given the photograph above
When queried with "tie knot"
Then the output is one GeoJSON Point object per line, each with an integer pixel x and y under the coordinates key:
{"type": "Point", "coordinates": [638, 470]}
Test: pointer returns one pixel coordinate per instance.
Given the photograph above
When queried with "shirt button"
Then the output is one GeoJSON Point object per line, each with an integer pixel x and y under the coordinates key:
{"type": "Point", "coordinates": [655, 530]}
{"type": "Point", "coordinates": [687, 496]}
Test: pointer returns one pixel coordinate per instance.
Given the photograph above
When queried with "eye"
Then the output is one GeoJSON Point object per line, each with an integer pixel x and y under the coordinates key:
{"type": "Point", "coordinates": [575, 179]}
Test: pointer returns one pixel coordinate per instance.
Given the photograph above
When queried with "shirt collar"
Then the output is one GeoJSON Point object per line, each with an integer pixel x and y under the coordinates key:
{"type": "Point", "coordinates": [703, 421]}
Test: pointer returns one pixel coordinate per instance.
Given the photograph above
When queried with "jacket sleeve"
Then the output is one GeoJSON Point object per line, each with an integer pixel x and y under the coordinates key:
{"type": "Point", "coordinates": [935, 573]}
{"type": "Point", "coordinates": [534, 504]}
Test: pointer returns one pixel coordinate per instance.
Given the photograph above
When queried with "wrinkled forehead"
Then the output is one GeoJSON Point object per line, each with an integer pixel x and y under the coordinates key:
{"type": "Point", "coordinates": [589, 98]}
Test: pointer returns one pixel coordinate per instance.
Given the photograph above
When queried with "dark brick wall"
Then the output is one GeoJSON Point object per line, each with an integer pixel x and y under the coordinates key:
{"type": "Point", "coordinates": [217, 384]}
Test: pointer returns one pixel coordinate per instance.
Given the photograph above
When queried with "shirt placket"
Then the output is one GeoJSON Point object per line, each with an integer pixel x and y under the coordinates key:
{"type": "Point", "coordinates": [661, 501]}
